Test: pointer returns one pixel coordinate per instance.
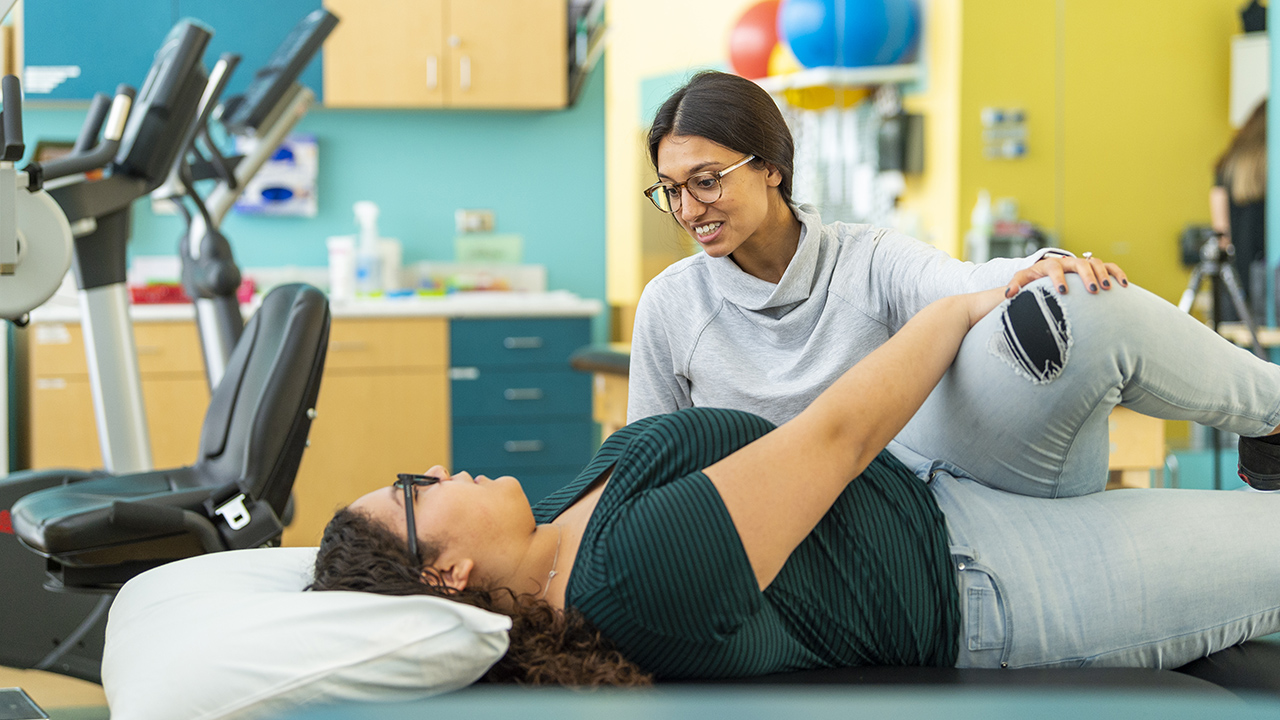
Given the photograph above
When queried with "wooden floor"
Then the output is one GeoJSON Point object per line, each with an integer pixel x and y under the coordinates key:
{"type": "Point", "coordinates": [51, 691]}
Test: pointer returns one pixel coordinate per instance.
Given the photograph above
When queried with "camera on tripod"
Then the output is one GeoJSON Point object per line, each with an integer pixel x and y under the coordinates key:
{"type": "Point", "coordinates": [1203, 251]}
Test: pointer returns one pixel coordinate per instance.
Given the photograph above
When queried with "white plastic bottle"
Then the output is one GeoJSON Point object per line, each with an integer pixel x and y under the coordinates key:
{"type": "Point", "coordinates": [342, 268]}
{"type": "Point", "coordinates": [368, 254]}
{"type": "Point", "coordinates": [977, 242]}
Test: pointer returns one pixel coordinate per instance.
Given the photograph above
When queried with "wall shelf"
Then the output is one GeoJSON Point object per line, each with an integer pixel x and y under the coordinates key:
{"type": "Point", "coordinates": [843, 77]}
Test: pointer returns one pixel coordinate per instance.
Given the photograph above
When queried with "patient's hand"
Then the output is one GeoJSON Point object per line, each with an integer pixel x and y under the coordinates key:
{"type": "Point", "coordinates": [1095, 273]}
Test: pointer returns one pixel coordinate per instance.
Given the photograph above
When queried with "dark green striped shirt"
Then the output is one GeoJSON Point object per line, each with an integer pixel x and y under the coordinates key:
{"type": "Point", "coordinates": [662, 571]}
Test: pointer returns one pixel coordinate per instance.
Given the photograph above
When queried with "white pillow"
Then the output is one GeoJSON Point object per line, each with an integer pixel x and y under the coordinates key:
{"type": "Point", "coordinates": [232, 635]}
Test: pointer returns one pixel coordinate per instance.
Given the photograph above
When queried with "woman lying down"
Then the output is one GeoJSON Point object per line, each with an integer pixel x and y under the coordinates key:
{"type": "Point", "coordinates": [708, 543]}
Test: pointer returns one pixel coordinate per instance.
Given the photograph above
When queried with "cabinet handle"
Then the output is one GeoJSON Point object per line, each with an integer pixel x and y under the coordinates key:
{"type": "Point", "coordinates": [432, 80]}
{"type": "Point", "coordinates": [522, 343]}
{"type": "Point", "coordinates": [464, 373]}
{"type": "Point", "coordinates": [522, 393]}
{"type": "Point", "coordinates": [348, 345]}
{"type": "Point", "coordinates": [522, 446]}
{"type": "Point", "coordinates": [464, 72]}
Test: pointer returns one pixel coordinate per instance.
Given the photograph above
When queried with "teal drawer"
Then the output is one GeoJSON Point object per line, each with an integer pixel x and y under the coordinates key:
{"type": "Point", "coordinates": [527, 445]}
{"type": "Point", "coordinates": [508, 393]}
{"type": "Point", "coordinates": [525, 341]}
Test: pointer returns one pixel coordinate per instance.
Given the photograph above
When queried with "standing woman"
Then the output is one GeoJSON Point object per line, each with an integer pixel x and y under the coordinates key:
{"type": "Point", "coordinates": [1238, 211]}
{"type": "Point", "coordinates": [778, 304]}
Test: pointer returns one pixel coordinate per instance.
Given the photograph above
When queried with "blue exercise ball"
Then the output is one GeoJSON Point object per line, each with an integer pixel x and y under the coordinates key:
{"type": "Point", "coordinates": [850, 33]}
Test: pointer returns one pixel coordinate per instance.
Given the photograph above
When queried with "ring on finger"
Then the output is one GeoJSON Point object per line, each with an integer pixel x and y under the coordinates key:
{"type": "Point", "coordinates": [1087, 255]}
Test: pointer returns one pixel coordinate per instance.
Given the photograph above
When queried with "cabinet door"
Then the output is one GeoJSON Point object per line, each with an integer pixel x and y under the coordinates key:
{"type": "Point", "coordinates": [507, 54]}
{"type": "Point", "coordinates": [383, 409]}
{"type": "Point", "coordinates": [74, 48]}
{"type": "Point", "coordinates": [385, 54]}
{"type": "Point", "coordinates": [61, 428]}
{"type": "Point", "coordinates": [176, 406]}
{"type": "Point", "coordinates": [369, 426]}
{"type": "Point", "coordinates": [64, 434]}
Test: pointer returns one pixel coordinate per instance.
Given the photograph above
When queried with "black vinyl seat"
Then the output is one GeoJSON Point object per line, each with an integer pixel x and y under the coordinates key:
{"type": "Point", "coordinates": [99, 530]}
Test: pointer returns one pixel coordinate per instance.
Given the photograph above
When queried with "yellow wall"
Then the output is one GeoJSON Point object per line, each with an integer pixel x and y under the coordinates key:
{"type": "Point", "coordinates": [1144, 123]}
{"type": "Point", "coordinates": [1126, 111]}
{"type": "Point", "coordinates": [1007, 60]}
{"type": "Point", "coordinates": [934, 195]}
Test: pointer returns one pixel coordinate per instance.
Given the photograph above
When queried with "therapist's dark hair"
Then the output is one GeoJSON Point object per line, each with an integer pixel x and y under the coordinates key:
{"type": "Point", "coordinates": [547, 647]}
{"type": "Point", "coordinates": [734, 112]}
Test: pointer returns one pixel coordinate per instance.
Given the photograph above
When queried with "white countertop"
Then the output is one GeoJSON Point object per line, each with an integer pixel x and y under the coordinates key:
{"type": "Point", "coordinates": [561, 303]}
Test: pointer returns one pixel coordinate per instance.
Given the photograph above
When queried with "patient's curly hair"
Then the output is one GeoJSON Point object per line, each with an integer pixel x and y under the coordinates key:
{"type": "Point", "coordinates": [547, 646]}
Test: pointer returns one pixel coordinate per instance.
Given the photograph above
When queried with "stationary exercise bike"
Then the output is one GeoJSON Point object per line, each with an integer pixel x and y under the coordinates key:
{"type": "Point", "coordinates": [261, 118]}
{"type": "Point", "coordinates": [97, 530]}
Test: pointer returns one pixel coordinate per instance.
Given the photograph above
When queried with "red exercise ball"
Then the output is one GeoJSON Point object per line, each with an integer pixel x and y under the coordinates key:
{"type": "Point", "coordinates": [753, 38]}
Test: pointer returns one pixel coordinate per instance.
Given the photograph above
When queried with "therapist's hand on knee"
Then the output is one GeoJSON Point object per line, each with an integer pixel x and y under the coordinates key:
{"type": "Point", "coordinates": [1095, 273]}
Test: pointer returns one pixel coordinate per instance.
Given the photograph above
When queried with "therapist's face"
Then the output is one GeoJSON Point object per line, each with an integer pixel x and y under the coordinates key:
{"type": "Point", "coordinates": [731, 222]}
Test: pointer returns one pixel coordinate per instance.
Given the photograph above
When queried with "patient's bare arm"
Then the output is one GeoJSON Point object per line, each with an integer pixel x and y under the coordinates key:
{"type": "Point", "coordinates": [807, 462]}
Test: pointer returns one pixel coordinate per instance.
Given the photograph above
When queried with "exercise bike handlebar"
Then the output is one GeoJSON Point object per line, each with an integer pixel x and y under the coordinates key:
{"type": "Point", "coordinates": [92, 125]}
{"type": "Point", "coordinates": [175, 185]}
{"type": "Point", "coordinates": [112, 125]}
{"type": "Point", "coordinates": [11, 93]}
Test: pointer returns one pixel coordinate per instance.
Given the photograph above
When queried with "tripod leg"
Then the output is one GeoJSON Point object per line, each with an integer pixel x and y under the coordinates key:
{"type": "Point", "coordinates": [1189, 295]}
{"type": "Point", "coordinates": [1228, 275]}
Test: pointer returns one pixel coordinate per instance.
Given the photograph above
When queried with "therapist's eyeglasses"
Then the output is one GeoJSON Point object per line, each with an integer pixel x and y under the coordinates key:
{"type": "Point", "coordinates": [409, 482]}
{"type": "Point", "coordinates": [704, 187]}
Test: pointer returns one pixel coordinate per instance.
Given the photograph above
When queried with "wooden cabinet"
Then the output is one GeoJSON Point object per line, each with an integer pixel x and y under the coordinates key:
{"type": "Point", "coordinates": [61, 424]}
{"type": "Point", "coordinates": [447, 53]}
{"type": "Point", "coordinates": [383, 409]}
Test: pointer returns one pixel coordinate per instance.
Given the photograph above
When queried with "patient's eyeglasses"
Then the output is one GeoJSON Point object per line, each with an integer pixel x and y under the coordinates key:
{"type": "Point", "coordinates": [704, 187]}
{"type": "Point", "coordinates": [410, 482]}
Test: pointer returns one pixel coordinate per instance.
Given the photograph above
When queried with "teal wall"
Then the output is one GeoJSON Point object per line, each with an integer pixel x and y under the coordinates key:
{"type": "Point", "coordinates": [542, 173]}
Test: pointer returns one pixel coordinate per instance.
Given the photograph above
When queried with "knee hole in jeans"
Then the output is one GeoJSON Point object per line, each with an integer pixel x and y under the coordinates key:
{"type": "Point", "coordinates": [1034, 337]}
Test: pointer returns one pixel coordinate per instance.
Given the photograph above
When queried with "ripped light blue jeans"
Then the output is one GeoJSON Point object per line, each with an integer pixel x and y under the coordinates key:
{"type": "Point", "coordinates": [1014, 444]}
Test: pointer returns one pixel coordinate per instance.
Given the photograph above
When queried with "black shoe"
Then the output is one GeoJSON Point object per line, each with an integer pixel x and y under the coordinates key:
{"type": "Point", "coordinates": [1259, 464]}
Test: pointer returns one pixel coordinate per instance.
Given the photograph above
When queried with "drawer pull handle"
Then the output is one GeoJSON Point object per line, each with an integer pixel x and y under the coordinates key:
{"type": "Point", "coordinates": [522, 343]}
{"type": "Point", "coordinates": [522, 393]}
{"type": "Point", "coordinates": [464, 373]}
{"type": "Point", "coordinates": [522, 446]}
{"type": "Point", "coordinates": [348, 345]}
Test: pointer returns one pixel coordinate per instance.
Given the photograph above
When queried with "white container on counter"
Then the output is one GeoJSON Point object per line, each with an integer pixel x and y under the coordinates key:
{"type": "Point", "coordinates": [342, 268]}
